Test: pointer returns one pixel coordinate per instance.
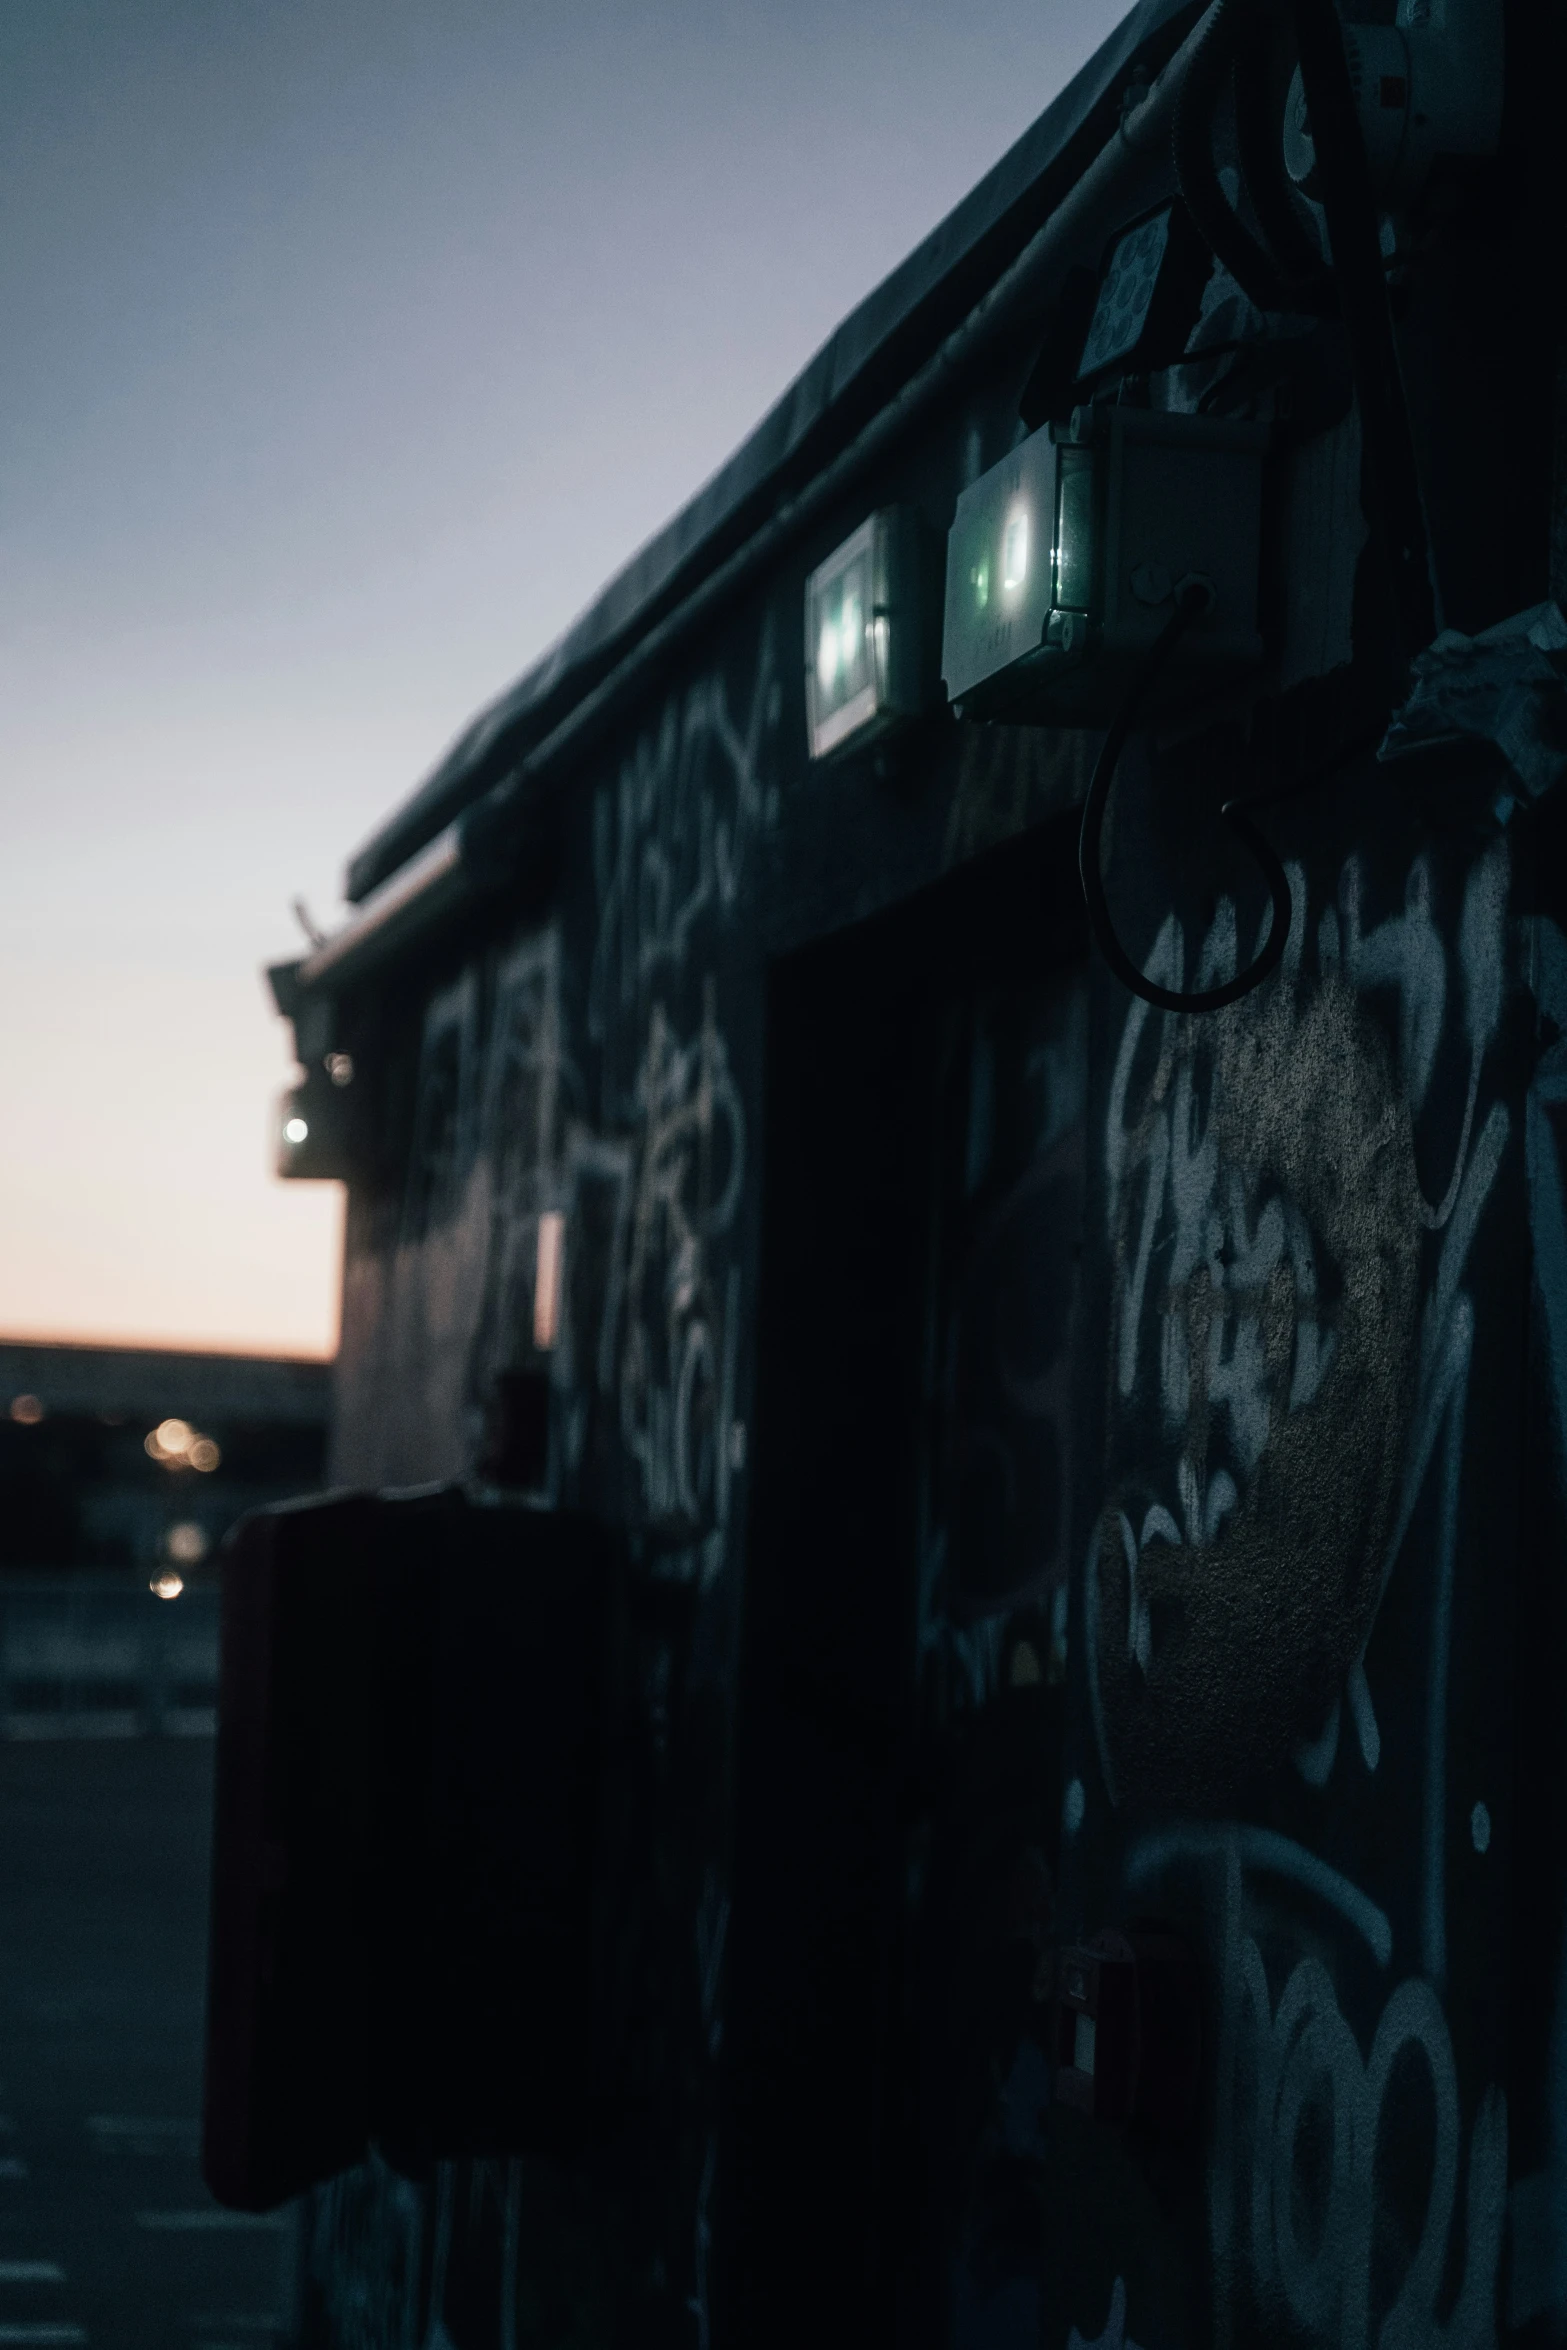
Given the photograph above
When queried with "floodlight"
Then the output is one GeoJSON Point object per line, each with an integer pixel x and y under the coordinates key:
{"type": "Point", "coordinates": [313, 1128]}
{"type": "Point", "coordinates": [1064, 561]}
{"type": "Point", "coordinates": [869, 656]}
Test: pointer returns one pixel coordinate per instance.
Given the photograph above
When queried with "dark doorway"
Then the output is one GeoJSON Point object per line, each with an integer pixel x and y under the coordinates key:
{"type": "Point", "coordinates": [900, 1696]}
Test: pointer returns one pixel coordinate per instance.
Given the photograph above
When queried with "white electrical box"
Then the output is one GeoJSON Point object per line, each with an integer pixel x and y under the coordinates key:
{"type": "Point", "coordinates": [1063, 564]}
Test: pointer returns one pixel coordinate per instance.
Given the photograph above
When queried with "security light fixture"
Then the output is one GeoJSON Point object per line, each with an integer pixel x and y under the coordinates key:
{"type": "Point", "coordinates": [298, 1144]}
{"type": "Point", "coordinates": [317, 1119]}
{"type": "Point", "coordinates": [1064, 563]}
{"type": "Point", "coordinates": [1149, 294]}
{"type": "Point", "coordinates": [313, 1122]}
{"type": "Point", "coordinates": [425, 1711]}
{"type": "Point", "coordinates": [869, 661]}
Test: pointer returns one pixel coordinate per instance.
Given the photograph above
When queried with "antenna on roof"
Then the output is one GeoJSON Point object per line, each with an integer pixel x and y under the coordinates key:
{"type": "Point", "coordinates": [307, 922]}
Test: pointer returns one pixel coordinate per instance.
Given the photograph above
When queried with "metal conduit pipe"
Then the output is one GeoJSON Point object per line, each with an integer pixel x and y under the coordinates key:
{"type": "Point", "coordinates": [471, 848]}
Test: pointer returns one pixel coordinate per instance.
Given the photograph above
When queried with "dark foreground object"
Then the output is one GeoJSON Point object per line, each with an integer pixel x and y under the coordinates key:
{"type": "Point", "coordinates": [103, 1915]}
{"type": "Point", "coordinates": [415, 1787]}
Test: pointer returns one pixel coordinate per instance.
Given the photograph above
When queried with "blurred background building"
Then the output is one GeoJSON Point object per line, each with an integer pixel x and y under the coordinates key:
{"type": "Point", "coordinates": [115, 1457]}
{"type": "Point", "coordinates": [120, 1470]}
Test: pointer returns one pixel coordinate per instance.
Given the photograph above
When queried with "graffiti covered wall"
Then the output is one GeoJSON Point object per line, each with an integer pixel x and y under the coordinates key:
{"type": "Point", "coordinates": [1083, 1467]}
{"type": "Point", "coordinates": [1310, 1225]}
{"type": "Point", "coordinates": [1296, 1630]}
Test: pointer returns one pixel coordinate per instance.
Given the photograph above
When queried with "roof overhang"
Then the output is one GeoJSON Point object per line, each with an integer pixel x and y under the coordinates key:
{"type": "Point", "coordinates": [858, 372]}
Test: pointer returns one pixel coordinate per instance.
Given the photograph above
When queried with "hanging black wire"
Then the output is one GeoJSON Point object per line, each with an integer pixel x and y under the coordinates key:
{"type": "Point", "coordinates": [1270, 281]}
{"type": "Point", "coordinates": [1260, 146]}
{"type": "Point", "coordinates": [1191, 601]}
{"type": "Point", "coordinates": [1350, 211]}
{"type": "Point", "coordinates": [1291, 276]}
{"type": "Point", "coordinates": [1288, 277]}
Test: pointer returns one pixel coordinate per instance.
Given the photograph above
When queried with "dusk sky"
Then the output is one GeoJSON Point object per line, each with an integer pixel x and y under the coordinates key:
{"type": "Point", "coordinates": [349, 346]}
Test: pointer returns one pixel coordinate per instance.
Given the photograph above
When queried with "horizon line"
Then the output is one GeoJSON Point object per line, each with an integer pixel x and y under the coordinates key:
{"type": "Point", "coordinates": [236, 1350]}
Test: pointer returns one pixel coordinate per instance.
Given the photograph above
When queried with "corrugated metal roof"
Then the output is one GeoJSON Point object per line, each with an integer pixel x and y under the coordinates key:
{"type": "Point", "coordinates": [856, 371]}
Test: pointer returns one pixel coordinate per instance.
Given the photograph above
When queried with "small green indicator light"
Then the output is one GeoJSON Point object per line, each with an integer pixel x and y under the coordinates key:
{"type": "Point", "coordinates": [980, 576]}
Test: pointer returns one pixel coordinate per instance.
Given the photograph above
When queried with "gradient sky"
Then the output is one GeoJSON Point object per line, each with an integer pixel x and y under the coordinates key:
{"type": "Point", "coordinates": [349, 346]}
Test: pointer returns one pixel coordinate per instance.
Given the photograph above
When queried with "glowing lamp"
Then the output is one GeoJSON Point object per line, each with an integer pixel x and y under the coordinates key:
{"type": "Point", "coordinates": [999, 588]}
{"type": "Point", "coordinates": [312, 1127]}
{"type": "Point", "coordinates": [1064, 560]}
{"type": "Point", "coordinates": [868, 664]}
{"type": "Point", "coordinates": [294, 1154]}
{"type": "Point", "coordinates": [321, 1115]}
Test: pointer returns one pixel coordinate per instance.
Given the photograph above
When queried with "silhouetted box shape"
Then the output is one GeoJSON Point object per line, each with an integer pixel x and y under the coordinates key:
{"type": "Point", "coordinates": [1129, 2028]}
{"type": "Point", "coordinates": [1150, 290]}
{"type": "Point", "coordinates": [286, 2077]}
{"type": "Point", "coordinates": [416, 1853]}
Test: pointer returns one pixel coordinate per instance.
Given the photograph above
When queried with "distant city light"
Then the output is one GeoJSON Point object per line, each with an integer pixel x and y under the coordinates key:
{"type": "Point", "coordinates": [186, 1542]}
{"type": "Point", "coordinates": [27, 1409]}
{"type": "Point", "coordinates": [295, 1130]}
{"type": "Point", "coordinates": [167, 1586]}
{"type": "Point", "coordinates": [175, 1444]}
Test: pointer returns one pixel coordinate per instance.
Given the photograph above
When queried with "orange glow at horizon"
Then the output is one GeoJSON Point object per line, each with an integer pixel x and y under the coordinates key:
{"type": "Point", "coordinates": [266, 552]}
{"type": "Point", "coordinates": [140, 1209]}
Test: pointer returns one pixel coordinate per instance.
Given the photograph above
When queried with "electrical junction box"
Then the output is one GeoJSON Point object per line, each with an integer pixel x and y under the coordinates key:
{"type": "Point", "coordinates": [1064, 560]}
{"type": "Point", "coordinates": [870, 654]}
{"type": "Point", "coordinates": [425, 1821]}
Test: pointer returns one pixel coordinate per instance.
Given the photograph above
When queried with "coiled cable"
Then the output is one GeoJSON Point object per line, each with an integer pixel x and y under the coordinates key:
{"type": "Point", "coordinates": [1307, 279]}
{"type": "Point", "coordinates": [1270, 283]}
{"type": "Point", "coordinates": [1192, 599]}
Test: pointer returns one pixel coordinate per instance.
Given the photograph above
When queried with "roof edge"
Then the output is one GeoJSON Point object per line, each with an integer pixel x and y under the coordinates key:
{"type": "Point", "coordinates": [858, 370]}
